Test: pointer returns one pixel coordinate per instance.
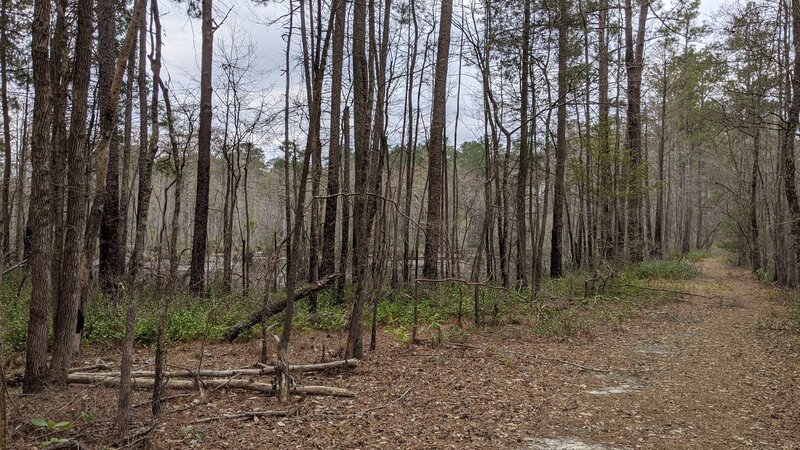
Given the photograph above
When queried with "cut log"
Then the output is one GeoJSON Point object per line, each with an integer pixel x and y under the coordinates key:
{"type": "Point", "coordinates": [278, 306]}
{"type": "Point", "coordinates": [171, 383]}
{"type": "Point", "coordinates": [234, 372]}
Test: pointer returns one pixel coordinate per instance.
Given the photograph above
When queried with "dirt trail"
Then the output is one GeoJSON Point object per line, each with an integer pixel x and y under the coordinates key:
{"type": "Point", "coordinates": [703, 373]}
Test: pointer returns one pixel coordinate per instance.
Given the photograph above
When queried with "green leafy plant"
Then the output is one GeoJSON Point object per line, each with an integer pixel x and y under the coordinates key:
{"type": "Point", "coordinates": [51, 426]}
{"type": "Point", "coordinates": [400, 334]}
{"type": "Point", "coordinates": [192, 435]}
{"type": "Point", "coordinates": [86, 417]}
{"type": "Point", "coordinates": [763, 276]}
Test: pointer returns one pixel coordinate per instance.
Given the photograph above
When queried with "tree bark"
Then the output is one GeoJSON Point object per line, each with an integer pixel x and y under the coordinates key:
{"type": "Point", "coordinates": [146, 150]}
{"type": "Point", "coordinates": [344, 253]}
{"type": "Point", "coordinates": [200, 235]}
{"type": "Point", "coordinates": [522, 175]}
{"type": "Point", "coordinates": [658, 249]}
{"type": "Point", "coordinates": [110, 252]}
{"type": "Point", "coordinates": [67, 306]}
{"type": "Point", "coordinates": [102, 151]}
{"type": "Point", "coordinates": [634, 53]}
{"type": "Point", "coordinates": [561, 145]}
{"type": "Point", "coordinates": [40, 217]}
{"type": "Point", "coordinates": [361, 123]}
{"type": "Point", "coordinates": [755, 251]}
{"type": "Point", "coordinates": [433, 223]}
{"type": "Point", "coordinates": [59, 81]}
{"type": "Point", "coordinates": [788, 141]}
{"type": "Point", "coordinates": [6, 196]}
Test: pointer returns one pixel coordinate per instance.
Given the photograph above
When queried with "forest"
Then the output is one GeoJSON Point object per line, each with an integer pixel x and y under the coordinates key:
{"type": "Point", "coordinates": [399, 223]}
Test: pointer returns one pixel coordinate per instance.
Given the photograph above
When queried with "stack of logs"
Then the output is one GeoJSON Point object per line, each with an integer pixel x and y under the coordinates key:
{"type": "Point", "coordinates": [217, 379]}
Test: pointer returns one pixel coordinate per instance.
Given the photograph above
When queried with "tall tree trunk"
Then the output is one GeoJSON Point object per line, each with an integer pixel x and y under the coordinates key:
{"type": "Point", "coordinates": [334, 154]}
{"type": "Point", "coordinates": [146, 155]}
{"type": "Point", "coordinates": [127, 145]}
{"type": "Point", "coordinates": [662, 143]}
{"type": "Point", "coordinates": [633, 64]}
{"type": "Point", "coordinates": [6, 196]}
{"type": "Point", "coordinates": [411, 148]}
{"type": "Point", "coordinates": [522, 176]}
{"type": "Point", "coordinates": [315, 97]}
{"type": "Point", "coordinates": [433, 223]}
{"type": "Point", "coordinates": [172, 283]}
{"type": "Point", "coordinates": [755, 250]}
{"type": "Point", "coordinates": [561, 145]}
{"type": "Point", "coordinates": [40, 217]}
{"type": "Point", "coordinates": [102, 151]}
{"type": "Point", "coordinates": [200, 235]}
{"type": "Point", "coordinates": [606, 192]}
{"type": "Point", "coordinates": [287, 181]}
{"type": "Point", "coordinates": [59, 80]}
{"type": "Point", "coordinates": [788, 141]}
{"type": "Point", "coordinates": [344, 253]}
{"type": "Point", "coordinates": [146, 149]}
{"type": "Point", "coordinates": [361, 123]}
{"type": "Point", "coordinates": [67, 306]}
{"type": "Point", "coordinates": [20, 231]}
{"type": "Point", "coordinates": [109, 267]}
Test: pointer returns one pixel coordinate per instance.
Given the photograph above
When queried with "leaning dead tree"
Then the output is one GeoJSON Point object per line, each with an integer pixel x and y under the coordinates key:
{"type": "Point", "coordinates": [278, 306]}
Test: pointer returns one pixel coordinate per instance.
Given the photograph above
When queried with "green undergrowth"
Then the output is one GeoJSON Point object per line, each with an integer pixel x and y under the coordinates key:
{"type": "Point", "coordinates": [668, 269]}
{"type": "Point", "coordinates": [566, 306]}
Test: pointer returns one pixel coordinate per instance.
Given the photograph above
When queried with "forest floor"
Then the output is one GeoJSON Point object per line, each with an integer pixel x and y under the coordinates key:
{"type": "Point", "coordinates": [719, 370]}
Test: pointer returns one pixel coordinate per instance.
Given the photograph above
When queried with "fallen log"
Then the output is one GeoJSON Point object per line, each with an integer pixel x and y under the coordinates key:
{"type": "Point", "coordinates": [278, 306]}
{"type": "Point", "coordinates": [234, 372]}
{"type": "Point", "coordinates": [171, 383]}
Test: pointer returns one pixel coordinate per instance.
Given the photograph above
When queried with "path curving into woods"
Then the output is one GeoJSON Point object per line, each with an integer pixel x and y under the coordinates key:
{"type": "Point", "coordinates": [721, 372]}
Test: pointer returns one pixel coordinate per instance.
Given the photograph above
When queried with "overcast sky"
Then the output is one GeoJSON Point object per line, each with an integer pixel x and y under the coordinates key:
{"type": "Point", "coordinates": [181, 50]}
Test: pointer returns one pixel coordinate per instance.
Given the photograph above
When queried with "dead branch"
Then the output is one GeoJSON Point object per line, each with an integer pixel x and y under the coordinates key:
{"type": "Point", "coordinates": [266, 370]}
{"type": "Point", "coordinates": [244, 415]}
{"type": "Point", "coordinates": [147, 383]}
{"type": "Point", "coordinates": [18, 265]}
{"type": "Point", "coordinates": [386, 405]}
